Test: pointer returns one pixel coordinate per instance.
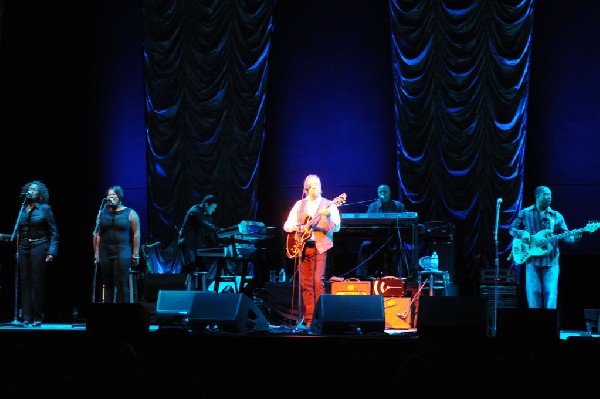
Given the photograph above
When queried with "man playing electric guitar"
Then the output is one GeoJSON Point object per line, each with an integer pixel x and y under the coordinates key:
{"type": "Point", "coordinates": [542, 265]}
{"type": "Point", "coordinates": [314, 240]}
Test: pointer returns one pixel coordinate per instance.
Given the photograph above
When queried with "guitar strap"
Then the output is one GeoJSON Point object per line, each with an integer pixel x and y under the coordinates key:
{"type": "Point", "coordinates": [301, 211]}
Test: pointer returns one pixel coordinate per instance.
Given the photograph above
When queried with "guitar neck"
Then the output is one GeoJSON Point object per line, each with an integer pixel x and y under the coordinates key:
{"type": "Point", "coordinates": [560, 236]}
{"type": "Point", "coordinates": [336, 201]}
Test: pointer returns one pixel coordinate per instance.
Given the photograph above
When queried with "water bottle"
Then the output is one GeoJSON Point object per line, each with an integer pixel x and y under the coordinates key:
{"type": "Point", "coordinates": [282, 275]}
{"type": "Point", "coordinates": [75, 317]}
{"type": "Point", "coordinates": [434, 261]}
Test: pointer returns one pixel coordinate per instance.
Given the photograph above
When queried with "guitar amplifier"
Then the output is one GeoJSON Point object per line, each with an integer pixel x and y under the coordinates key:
{"type": "Point", "coordinates": [397, 312]}
{"type": "Point", "coordinates": [351, 287]}
{"type": "Point", "coordinates": [389, 286]}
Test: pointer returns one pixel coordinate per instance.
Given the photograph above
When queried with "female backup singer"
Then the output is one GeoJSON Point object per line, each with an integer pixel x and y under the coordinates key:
{"type": "Point", "coordinates": [37, 238]}
{"type": "Point", "coordinates": [116, 245]}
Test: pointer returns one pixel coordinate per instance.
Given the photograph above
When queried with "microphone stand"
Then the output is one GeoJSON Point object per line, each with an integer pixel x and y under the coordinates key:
{"type": "Point", "coordinates": [497, 268]}
{"type": "Point", "coordinates": [365, 202]}
{"type": "Point", "coordinates": [15, 322]}
{"type": "Point", "coordinates": [100, 210]}
{"type": "Point", "coordinates": [297, 262]}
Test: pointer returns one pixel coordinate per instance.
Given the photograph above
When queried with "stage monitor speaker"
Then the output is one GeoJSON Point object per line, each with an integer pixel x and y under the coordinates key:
{"type": "Point", "coordinates": [154, 282]}
{"type": "Point", "coordinates": [226, 312]}
{"type": "Point", "coordinates": [454, 317]}
{"type": "Point", "coordinates": [348, 314]}
{"type": "Point", "coordinates": [527, 325]}
{"type": "Point", "coordinates": [117, 318]}
{"type": "Point", "coordinates": [174, 307]}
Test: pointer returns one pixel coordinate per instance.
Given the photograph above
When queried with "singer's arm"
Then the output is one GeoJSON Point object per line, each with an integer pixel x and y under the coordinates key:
{"type": "Point", "coordinates": [135, 228]}
{"type": "Point", "coordinates": [96, 245]}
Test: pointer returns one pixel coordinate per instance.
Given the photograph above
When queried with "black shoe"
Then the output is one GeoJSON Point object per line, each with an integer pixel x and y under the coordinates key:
{"type": "Point", "coordinates": [37, 323]}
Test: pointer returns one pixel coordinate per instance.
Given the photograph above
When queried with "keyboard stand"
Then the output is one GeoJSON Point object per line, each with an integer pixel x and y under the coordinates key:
{"type": "Point", "coordinates": [220, 277]}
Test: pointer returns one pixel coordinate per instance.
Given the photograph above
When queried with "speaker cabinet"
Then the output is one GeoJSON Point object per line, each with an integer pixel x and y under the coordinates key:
{"type": "Point", "coordinates": [527, 325]}
{"type": "Point", "coordinates": [398, 312]}
{"type": "Point", "coordinates": [452, 317]}
{"type": "Point", "coordinates": [117, 317]}
{"type": "Point", "coordinates": [154, 282]}
{"type": "Point", "coordinates": [342, 314]}
{"type": "Point", "coordinates": [174, 307]}
{"type": "Point", "coordinates": [226, 312]}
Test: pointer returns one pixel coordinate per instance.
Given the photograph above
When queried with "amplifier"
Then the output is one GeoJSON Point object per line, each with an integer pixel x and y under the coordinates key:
{"type": "Point", "coordinates": [389, 286]}
{"type": "Point", "coordinates": [351, 287]}
{"type": "Point", "coordinates": [505, 276]}
{"type": "Point", "coordinates": [397, 312]}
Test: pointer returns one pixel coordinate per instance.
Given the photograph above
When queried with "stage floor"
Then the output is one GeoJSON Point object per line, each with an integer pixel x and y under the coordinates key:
{"type": "Point", "coordinates": [69, 360]}
{"type": "Point", "coordinates": [272, 330]}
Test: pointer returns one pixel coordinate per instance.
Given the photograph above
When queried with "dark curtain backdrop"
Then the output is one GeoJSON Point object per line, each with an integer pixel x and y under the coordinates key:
{"type": "Point", "coordinates": [206, 81]}
{"type": "Point", "coordinates": [453, 104]}
{"type": "Point", "coordinates": [457, 83]}
{"type": "Point", "coordinates": [461, 84]}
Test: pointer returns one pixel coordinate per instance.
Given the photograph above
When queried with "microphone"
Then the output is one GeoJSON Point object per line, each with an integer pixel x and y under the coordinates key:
{"type": "Point", "coordinates": [109, 200]}
{"type": "Point", "coordinates": [498, 201]}
{"type": "Point", "coordinates": [23, 194]}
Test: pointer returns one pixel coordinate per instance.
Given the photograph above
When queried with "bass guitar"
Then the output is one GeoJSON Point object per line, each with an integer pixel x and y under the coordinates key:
{"type": "Point", "coordinates": [537, 245]}
{"type": "Point", "coordinates": [295, 241]}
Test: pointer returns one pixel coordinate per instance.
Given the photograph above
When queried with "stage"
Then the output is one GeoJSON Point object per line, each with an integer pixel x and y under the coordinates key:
{"type": "Point", "coordinates": [228, 344]}
{"type": "Point", "coordinates": [72, 360]}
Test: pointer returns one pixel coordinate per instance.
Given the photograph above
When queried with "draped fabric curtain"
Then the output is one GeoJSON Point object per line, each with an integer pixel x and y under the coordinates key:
{"type": "Point", "coordinates": [206, 66]}
{"type": "Point", "coordinates": [461, 83]}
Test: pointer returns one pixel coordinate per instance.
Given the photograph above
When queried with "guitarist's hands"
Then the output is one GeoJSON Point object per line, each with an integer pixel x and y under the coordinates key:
{"type": "Point", "coordinates": [526, 237]}
{"type": "Point", "coordinates": [304, 229]}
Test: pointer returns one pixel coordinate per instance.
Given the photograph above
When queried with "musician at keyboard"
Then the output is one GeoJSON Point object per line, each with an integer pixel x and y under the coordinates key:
{"type": "Point", "coordinates": [380, 258]}
{"type": "Point", "coordinates": [198, 231]}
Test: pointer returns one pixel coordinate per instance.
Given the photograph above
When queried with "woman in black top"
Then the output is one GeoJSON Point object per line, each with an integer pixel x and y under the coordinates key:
{"type": "Point", "coordinates": [37, 243]}
{"type": "Point", "coordinates": [116, 245]}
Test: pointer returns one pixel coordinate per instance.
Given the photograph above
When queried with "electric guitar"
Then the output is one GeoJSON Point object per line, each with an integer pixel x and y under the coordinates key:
{"type": "Point", "coordinates": [522, 251]}
{"type": "Point", "coordinates": [295, 241]}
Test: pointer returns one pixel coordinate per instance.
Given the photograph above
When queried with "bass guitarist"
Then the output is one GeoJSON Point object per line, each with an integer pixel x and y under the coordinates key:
{"type": "Point", "coordinates": [312, 222]}
{"type": "Point", "coordinates": [532, 230]}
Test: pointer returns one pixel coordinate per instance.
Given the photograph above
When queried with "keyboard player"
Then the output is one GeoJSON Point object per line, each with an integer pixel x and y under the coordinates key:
{"type": "Point", "coordinates": [198, 231]}
{"type": "Point", "coordinates": [375, 258]}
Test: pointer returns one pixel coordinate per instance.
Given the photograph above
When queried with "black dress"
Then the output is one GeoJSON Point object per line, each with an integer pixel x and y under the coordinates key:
{"type": "Point", "coordinates": [115, 253]}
